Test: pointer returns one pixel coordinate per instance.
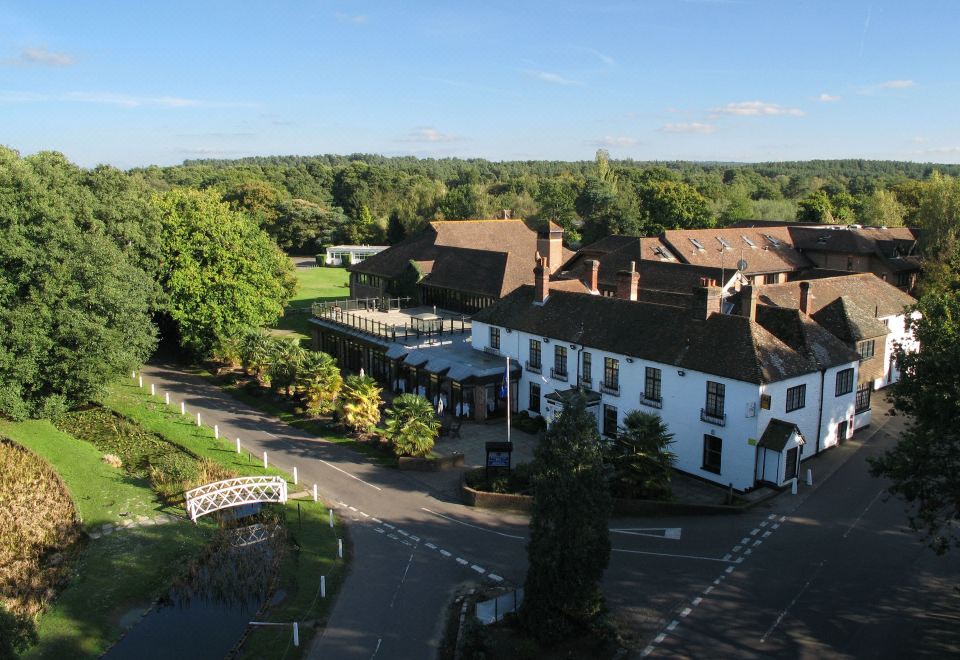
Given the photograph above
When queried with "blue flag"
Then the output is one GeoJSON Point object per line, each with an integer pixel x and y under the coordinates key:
{"type": "Point", "coordinates": [503, 385]}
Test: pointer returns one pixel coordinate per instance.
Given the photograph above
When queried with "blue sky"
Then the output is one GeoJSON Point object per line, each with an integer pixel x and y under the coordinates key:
{"type": "Point", "coordinates": [138, 83]}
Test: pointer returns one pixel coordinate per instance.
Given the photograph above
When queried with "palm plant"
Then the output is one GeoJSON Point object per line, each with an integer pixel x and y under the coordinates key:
{"type": "Point", "coordinates": [255, 352]}
{"type": "Point", "coordinates": [641, 457]}
{"type": "Point", "coordinates": [318, 380]}
{"type": "Point", "coordinates": [411, 425]}
{"type": "Point", "coordinates": [287, 357]}
{"type": "Point", "coordinates": [359, 403]}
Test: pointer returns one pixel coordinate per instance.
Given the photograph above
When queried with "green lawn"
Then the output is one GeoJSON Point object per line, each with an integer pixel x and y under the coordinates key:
{"type": "Point", "coordinates": [313, 285]}
{"type": "Point", "coordinates": [118, 575]}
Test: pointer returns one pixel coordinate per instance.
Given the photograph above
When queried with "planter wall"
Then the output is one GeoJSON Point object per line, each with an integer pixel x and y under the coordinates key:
{"type": "Point", "coordinates": [429, 464]}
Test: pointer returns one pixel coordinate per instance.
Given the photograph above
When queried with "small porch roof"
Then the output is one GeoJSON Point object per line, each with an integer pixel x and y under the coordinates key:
{"type": "Point", "coordinates": [564, 396]}
{"type": "Point", "coordinates": [777, 435]}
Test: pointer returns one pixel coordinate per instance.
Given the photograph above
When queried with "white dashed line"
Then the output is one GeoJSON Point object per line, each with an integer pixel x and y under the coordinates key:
{"type": "Point", "coordinates": [771, 516]}
{"type": "Point", "coordinates": [728, 570]}
{"type": "Point", "coordinates": [764, 523]}
{"type": "Point", "coordinates": [343, 504]}
{"type": "Point", "coordinates": [393, 536]}
{"type": "Point", "coordinates": [717, 581]}
{"type": "Point", "coordinates": [365, 515]}
{"type": "Point", "coordinates": [659, 638]}
{"type": "Point", "coordinates": [460, 522]}
{"type": "Point", "coordinates": [745, 540]}
{"type": "Point", "coordinates": [352, 508]}
{"type": "Point", "coordinates": [748, 551]}
{"type": "Point", "coordinates": [462, 561]}
{"type": "Point", "coordinates": [757, 542]}
{"type": "Point", "coordinates": [445, 553]}
{"type": "Point", "coordinates": [686, 611]}
{"type": "Point", "coordinates": [415, 539]}
{"type": "Point", "coordinates": [727, 556]}
{"type": "Point", "coordinates": [775, 526]}
{"type": "Point", "coordinates": [739, 560]}
{"type": "Point", "coordinates": [378, 530]}
{"type": "Point", "coordinates": [377, 520]}
{"type": "Point", "coordinates": [696, 601]}
{"type": "Point", "coordinates": [673, 625]}
{"type": "Point", "coordinates": [400, 531]}
{"type": "Point", "coordinates": [737, 548]}
{"type": "Point", "coordinates": [330, 465]}
{"type": "Point", "coordinates": [479, 569]}
{"type": "Point", "coordinates": [388, 526]}
{"type": "Point", "coordinates": [431, 546]}
{"type": "Point", "coordinates": [647, 651]}
{"type": "Point", "coordinates": [495, 577]}
{"type": "Point", "coordinates": [755, 531]}
{"type": "Point", "coordinates": [707, 590]}
{"type": "Point", "coordinates": [766, 534]}
{"type": "Point", "coordinates": [783, 518]}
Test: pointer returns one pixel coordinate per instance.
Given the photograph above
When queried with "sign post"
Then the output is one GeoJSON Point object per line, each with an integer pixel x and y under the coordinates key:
{"type": "Point", "coordinates": [499, 456]}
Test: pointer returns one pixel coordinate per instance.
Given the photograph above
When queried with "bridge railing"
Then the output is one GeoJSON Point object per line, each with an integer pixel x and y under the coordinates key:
{"type": "Point", "coordinates": [234, 492]}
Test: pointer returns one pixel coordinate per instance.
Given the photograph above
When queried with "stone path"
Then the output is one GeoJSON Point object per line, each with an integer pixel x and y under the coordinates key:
{"type": "Point", "coordinates": [131, 523]}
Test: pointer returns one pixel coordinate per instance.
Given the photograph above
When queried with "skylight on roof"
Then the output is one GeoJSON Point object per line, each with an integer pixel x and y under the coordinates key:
{"type": "Point", "coordinates": [726, 246]}
{"type": "Point", "coordinates": [748, 242]}
{"type": "Point", "coordinates": [697, 244]}
{"type": "Point", "coordinates": [772, 240]}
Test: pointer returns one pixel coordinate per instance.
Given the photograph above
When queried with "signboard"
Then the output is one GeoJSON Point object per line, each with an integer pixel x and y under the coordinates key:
{"type": "Point", "coordinates": [498, 454]}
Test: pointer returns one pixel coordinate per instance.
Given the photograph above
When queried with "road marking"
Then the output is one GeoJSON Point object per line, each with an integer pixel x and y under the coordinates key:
{"type": "Point", "coordinates": [672, 533]}
{"type": "Point", "coordinates": [352, 508]}
{"type": "Point", "coordinates": [728, 570]}
{"type": "Point", "coordinates": [495, 577]}
{"type": "Point", "coordinates": [378, 530]}
{"type": "Point", "coordinates": [388, 526]}
{"type": "Point", "coordinates": [772, 516]}
{"type": "Point", "coordinates": [377, 650]}
{"type": "Point", "coordinates": [755, 531]}
{"type": "Point", "coordinates": [767, 533]}
{"type": "Point", "coordinates": [393, 536]}
{"type": "Point", "coordinates": [708, 590]}
{"type": "Point", "coordinates": [415, 539]}
{"type": "Point", "coordinates": [349, 475]}
{"type": "Point", "coordinates": [465, 524]}
{"type": "Point", "coordinates": [717, 581]}
{"type": "Point", "coordinates": [647, 651]}
{"type": "Point", "coordinates": [402, 578]}
{"type": "Point", "coordinates": [696, 601]}
{"type": "Point", "coordinates": [775, 526]}
{"type": "Point", "coordinates": [431, 546]}
{"type": "Point", "coordinates": [757, 542]}
{"type": "Point", "coordinates": [478, 569]}
{"type": "Point", "coordinates": [686, 612]}
{"type": "Point", "coordinates": [445, 553]}
{"type": "Point", "coordinates": [659, 638]}
{"type": "Point", "coordinates": [377, 520]}
{"type": "Point", "coordinates": [664, 554]}
{"type": "Point", "coordinates": [748, 551]}
{"type": "Point", "coordinates": [737, 548]}
{"type": "Point", "coordinates": [400, 531]}
{"type": "Point", "coordinates": [764, 523]}
{"type": "Point", "coordinates": [745, 540]}
{"type": "Point", "coordinates": [673, 625]}
{"type": "Point", "coordinates": [365, 515]}
{"type": "Point", "coordinates": [783, 518]}
{"type": "Point", "coordinates": [862, 514]}
{"type": "Point", "coordinates": [462, 561]}
{"type": "Point", "coordinates": [727, 556]}
{"type": "Point", "coordinates": [739, 560]}
{"type": "Point", "coordinates": [343, 504]}
{"type": "Point", "coordinates": [792, 603]}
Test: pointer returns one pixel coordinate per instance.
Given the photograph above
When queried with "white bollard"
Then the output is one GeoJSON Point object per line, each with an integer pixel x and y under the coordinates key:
{"type": "Point", "coordinates": [216, 431]}
{"type": "Point", "coordinates": [183, 408]}
{"type": "Point", "coordinates": [793, 486]}
{"type": "Point", "coordinates": [809, 476]}
{"type": "Point", "coordinates": [295, 482]}
{"type": "Point", "coordinates": [315, 493]}
{"type": "Point", "coordinates": [133, 374]}
{"type": "Point", "coordinates": [296, 634]}
{"type": "Point", "coordinates": [153, 389]}
{"type": "Point", "coordinates": [323, 586]}
{"type": "Point", "coordinates": [340, 548]}
{"type": "Point", "coordinates": [166, 398]}
{"type": "Point", "coordinates": [140, 380]}
{"type": "Point", "coordinates": [264, 460]}
{"type": "Point", "coordinates": [238, 445]}
{"type": "Point", "coordinates": [198, 419]}
{"type": "Point", "coordinates": [331, 518]}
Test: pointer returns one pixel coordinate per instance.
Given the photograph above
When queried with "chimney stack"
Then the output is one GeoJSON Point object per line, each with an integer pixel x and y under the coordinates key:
{"type": "Point", "coordinates": [550, 244]}
{"type": "Point", "coordinates": [706, 301]}
{"type": "Point", "coordinates": [748, 303]}
{"type": "Point", "coordinates": [627, 282]}
{"type": "Point", "coordinates": [805, 297]}
{"type": "Point", "coordinates": [541, 281]}
{"type": "Point", "coordinates": [593, 275]}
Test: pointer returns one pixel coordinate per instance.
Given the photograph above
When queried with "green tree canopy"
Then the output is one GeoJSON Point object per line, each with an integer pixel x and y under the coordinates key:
{"type": "Point", "coordinates": [641, 457]}
{"type": "Point", "coordinates": [569, 544]}
{"type": "Point", "coordinates": [411, 425]}
{"type": "Point", "coordinates": [359, 403]}
{"type": "Point", "coordinates": [74, 310]}
{"type": "Point", "coordinates": [221, 272]}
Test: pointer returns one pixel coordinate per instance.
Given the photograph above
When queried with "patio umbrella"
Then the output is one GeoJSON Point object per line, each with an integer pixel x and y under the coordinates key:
{"type": "Point", "coordinates": [361, 372]}
{"type": "Point", "coordinates": [440, 406]}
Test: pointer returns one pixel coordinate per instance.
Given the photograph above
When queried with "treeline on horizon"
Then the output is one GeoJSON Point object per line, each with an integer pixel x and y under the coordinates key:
{"type": "Point", "coordinates": [306, 202]}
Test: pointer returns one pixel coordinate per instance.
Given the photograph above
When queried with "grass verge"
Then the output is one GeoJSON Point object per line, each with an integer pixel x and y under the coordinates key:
{"type": "Point", "coordinates": [313, 285]}
{"type": "Point", "coordinates": [115, 577]}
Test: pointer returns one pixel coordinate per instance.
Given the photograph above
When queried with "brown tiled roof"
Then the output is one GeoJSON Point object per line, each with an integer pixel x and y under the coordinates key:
{"type": "Point", "coordinates": [803, 335]}
{"type": "Point", "coordinates": [895, 246]}
{"type": "Point", "coordinates": [766, 250]}
{"type": "Point", "coordinates": [490, 257]}
{"type": "Point", "coordinates": [849, 322]}
{"type": "Point", "coordinates": [866, 289]}
{"type": "Point", "coordinates": [724, 345]}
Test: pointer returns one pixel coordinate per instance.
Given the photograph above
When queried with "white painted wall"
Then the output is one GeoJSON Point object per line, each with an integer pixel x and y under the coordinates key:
{"type": "Point", "coordinates": [898, 335]}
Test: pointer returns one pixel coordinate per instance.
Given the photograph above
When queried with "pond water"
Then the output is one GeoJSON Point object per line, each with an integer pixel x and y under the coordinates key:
{"type": "Point", "coordinates": [204, 614]}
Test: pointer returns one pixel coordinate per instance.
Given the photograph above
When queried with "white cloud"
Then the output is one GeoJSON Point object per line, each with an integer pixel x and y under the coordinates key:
{"type": "Point", "coordinates": [757, 109]}
{"type": "Point", "coordinates": [548, 77]}
{"type": "Point", "coordinates": [615, 141]}
{"type": "Point", "coordinates": [691, 127]}
{"type": "Point", "coordinates": [41, 56]}
{"type": "Point", "coordinates": [358, 19]}
{"type": "Point", "coordinates": [428, 134]}
{"type": "Point", "coordinates": [897, 84]}
{"type": "Point", "coordinates": [828, 98]}
{"type": "Point", "coordinates": [603, 57]}
{"type": "Point", "coordinates": [112, 98]}
{"type": "Point", "coordinates": [942, 150]}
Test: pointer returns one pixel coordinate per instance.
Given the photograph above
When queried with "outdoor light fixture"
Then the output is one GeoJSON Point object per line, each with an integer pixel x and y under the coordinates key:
{"type": "Point", "coordinates": [573, 346]}
{"type": "Point", "coordinates": [681, 372]}
{"type": "Point", "coordinates": [630, 360]}
{"type": "Point", "coordinates": [546, 340]}
{"type": "Point", "coordinates": [509, 331]}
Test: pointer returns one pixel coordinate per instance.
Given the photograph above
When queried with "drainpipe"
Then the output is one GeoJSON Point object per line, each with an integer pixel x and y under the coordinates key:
{"type": "Point", "coordinates": [823, 376]}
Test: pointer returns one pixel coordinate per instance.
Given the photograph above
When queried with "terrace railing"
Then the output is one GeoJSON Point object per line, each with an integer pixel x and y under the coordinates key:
{"type": "Point", "coordinates": [343, 313]}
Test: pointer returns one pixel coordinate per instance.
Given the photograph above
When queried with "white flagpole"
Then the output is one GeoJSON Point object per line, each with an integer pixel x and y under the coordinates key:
{"type": "Point", "coordinates": [508, 399]}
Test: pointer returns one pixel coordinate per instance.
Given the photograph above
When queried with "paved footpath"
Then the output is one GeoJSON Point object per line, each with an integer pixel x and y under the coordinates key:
{"type": "Point", "coordinates": [412, 545]}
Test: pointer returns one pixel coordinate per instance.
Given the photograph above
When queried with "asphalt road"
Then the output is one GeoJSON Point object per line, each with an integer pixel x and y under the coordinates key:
{"type": "Point", "coordinates": [832, 571]}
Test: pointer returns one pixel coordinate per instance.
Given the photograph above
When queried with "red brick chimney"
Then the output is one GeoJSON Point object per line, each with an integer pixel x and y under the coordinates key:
{"type": "Point", "coordinates": [748, 302]}
{"type": "Point", "coordinates": [627, 282]}
{"type": "Point", "coordinates": [550, 245]}
{"type": "Point", "coordinates": [593, 275]}
{"type": "Point", "coordinates": [541, 281]}
{"type": "Point", "coordinates": [805, 297]}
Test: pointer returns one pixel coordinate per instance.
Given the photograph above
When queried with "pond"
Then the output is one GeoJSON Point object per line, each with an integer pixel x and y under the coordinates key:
{"type": "Point", "coordinates": [204, 614]}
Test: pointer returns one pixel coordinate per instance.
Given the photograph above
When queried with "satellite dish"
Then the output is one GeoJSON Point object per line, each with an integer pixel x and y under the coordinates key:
{"type": "Point", "coordinates": [742, 265]}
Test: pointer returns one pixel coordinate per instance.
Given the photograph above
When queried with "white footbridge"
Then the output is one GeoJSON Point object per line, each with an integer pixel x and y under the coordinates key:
{"type": "Point", "coordinates": [234, 492]}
